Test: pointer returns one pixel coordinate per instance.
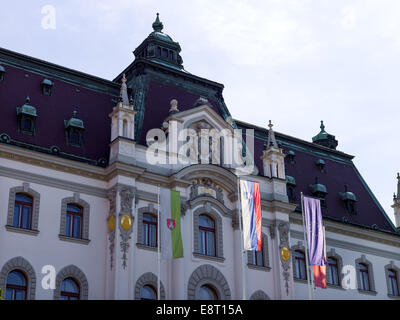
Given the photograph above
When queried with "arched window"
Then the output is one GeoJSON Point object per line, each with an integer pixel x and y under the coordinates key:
{"type": "Point", "coordinates": [364, 277]}
{"type": "Point", "coordinates": [206, 235]}
{"type": "Point", "coordinates": [70, 290]}
{"type": "Point", "coordinates": [332, 274]}
{"type": "Point", "coordinates": [149, 230]}
{"type": "Point", "coordinates": [393, 283]}
{"type": "Point", "coordinates": [74, 221]}
{"type": "Point", "coordinates": [23, 211]}
{"type": "Point", "coordinates": [16, 286]}
{"type": "Point", "coordinates": [125, 128]}
{"type": "Point", "coordinates": [207, 292]}
{"type": "Point", "coordinates": [147, 292]}
{"type": "Point", "coordinates": [300, 265]}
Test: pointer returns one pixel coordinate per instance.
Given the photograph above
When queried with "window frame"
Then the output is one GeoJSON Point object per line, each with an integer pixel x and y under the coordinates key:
{"type": "Point", "coordinates": [73, 214]}
{"type": "Point", "coordinates": [206, 231]}
{"type": "Point", "coordinates": [364, 275]}
{"type": "Point", "coordinates": [16, 288]}
{"type": "Point", "coordinates": [332, 272]}
{"type": "Point", "coordinates": [152, 288]}
{"type": "Point", "coordinates": [297, 264]}
{"type": "Point", "coordinates": [20, 214]}
{"type": "Point", "coordinates": [69, 294]}
{"type": "Point", "coordinates": [145, 230]}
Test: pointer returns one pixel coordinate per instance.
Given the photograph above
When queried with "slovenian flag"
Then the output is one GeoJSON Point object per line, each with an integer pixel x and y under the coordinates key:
{"type": "Point", "coordinates": [170, 224]}
{"type": "Point", "coordinates": [251, 214]}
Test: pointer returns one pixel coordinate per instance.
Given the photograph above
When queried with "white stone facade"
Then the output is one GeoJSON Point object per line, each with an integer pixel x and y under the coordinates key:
{"type": "Point", "coordinates": [115, 264]}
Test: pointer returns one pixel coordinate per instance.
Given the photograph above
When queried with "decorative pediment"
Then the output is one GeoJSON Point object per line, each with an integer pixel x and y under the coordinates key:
{"type": "Point", "coordinates": [206, 187]}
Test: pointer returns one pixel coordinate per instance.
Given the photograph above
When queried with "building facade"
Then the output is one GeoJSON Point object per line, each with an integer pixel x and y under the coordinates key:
{"type": "Point", "coordinates": [79, 192]}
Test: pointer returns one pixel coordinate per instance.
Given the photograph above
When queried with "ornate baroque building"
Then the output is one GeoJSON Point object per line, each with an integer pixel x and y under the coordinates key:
{"type": "Point", "coordinates": [78, 193]}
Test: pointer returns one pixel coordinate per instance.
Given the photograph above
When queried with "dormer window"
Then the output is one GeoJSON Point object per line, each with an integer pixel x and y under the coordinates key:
{"type": "Point", "coordinates": [291, 155]}
{"type": "Point", "coordinates": [290, 188]}
{"type": "Point", "coordinates": [349, 200]}
{"type": "Point", "coordinates": [321, 165]}
{"type": "Point", "coordinates": [26, 116]}
{"type": "Point", "coordinates": [2, 73]}
{"type": "Point", "coordinates": [319, 191]}
{"type": "Point", "coordinates": [74, 131]}
{"type": "Point", "coordinates": [47, 86]}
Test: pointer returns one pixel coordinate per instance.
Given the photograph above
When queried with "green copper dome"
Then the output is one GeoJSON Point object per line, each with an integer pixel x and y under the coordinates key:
{"type": "Point", "coordinates": [159, 47]}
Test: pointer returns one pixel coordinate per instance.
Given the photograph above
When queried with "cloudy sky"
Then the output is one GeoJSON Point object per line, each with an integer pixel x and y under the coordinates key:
{"type": "Point", "coordinates": [295, 62]}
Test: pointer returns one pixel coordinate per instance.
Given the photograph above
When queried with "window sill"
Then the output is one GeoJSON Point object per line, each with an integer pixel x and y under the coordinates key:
{"type": "Point", "coordinates": [369, 292]}
{"type": "Point", "coordinates": [212, 258]}
{"type": "Point", "coordinates": [393, 297]}
{"type": "Point", "coordinates": [21, 230]}
{"type": "Point", "coordinates": [145, 247]}
{"type": "Point", "coordinates": [260, 268]}
{"type": "Point", "coordinates": [71, 239]}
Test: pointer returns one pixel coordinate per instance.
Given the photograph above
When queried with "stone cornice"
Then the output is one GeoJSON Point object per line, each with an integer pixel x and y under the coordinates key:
{"type": "Point", "coordinates": [51, 162]}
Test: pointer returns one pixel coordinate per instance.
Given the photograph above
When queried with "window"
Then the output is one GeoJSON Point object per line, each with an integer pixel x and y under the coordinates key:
{"type": "Point", "coordinates": [75, 137]}
{"type": "Point", "coordinates": [364, 277]}
{"type": "Point", "coordinates": [300, 265]}
{"type": "Point", "coordinates": [206, 236]}
{"type": "Point", "coordinates": [291, 193]}
{"type": "Point", "coordinates": [206, 292]}
{"type": "Point", "coordinates": [27, 125]}
{"type": "Point", "coordinates": [147, 292]}
{"type": "Point", "coordinates": [332, 274]}
{"type": "Point", "coordinates": [16, 287]}
{"type": "Point", "coordinates": [74, 129]}
{"type": "Point", "coordinates": [393, 283]}
{"type": "Point", "coordinates": [149, 230]}
{"type": "Point", "coordinates": [74, 221]}
{"type": "Point", "coordinates": [257, 257]}
{"type": "Point", "coordinates": [22, 211]}
{"type": "Point", "coordinates": [26, 116]}
{"type": "Point", "coordinates": [47, 86]}
{"type": "Point", "coordinates": [125, 128]}
{"type": "Point", "coordinates": [70, 290]}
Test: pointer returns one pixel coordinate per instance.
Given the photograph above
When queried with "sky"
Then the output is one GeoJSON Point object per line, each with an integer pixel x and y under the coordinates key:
{"type": "Point", "coordinates": [295, 62]}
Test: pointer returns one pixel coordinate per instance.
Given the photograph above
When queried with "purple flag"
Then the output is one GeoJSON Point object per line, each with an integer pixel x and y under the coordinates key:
{"type": "Point", "coordinates": [315, 231]}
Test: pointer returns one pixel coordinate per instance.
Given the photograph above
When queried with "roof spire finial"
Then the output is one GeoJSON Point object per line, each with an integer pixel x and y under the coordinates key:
{"type": "Point", "coordinates": [271, 142]}
{"type": "Point", "coordinates": [157, 25]}
{"type": "Point", "coordinates": [123, 94]}
{"type": "Point", "coordinates": [322, 126]}
{"type": "Point", "coordinates": [398, 185]}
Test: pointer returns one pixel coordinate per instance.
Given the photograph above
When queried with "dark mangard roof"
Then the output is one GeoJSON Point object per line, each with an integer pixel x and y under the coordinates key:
{"type": "Point", "coordinates": [154, 86]}
{"type": "Point", "coordinates": [339, 171]}
{"type": "Point", "coordinates": [91, 96]}
{"type": "Point", "coordinates": [151, 84]}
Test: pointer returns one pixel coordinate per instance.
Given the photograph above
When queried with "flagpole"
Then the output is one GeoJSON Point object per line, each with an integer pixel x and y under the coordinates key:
{"type": "Point", "coordinates": [241, 242]}
{"type": "Point", "coordinates": [158, 244]}
{"type": "Point", "coordinates": [310, 286]}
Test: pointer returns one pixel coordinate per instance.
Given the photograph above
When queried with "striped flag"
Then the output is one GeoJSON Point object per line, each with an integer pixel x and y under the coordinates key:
{"type": "Point", "coordinates": [320, 271]}
{"type": "Point", "coordinates": [251, 214]}
{"type": "Point", "coordinates": [170, 224]}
